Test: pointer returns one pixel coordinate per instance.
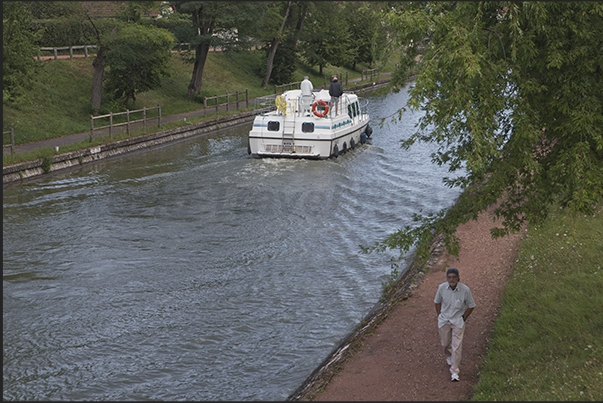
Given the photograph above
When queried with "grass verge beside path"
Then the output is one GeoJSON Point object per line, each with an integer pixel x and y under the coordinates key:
{"type": "Point", "coordinates": [548, 340]}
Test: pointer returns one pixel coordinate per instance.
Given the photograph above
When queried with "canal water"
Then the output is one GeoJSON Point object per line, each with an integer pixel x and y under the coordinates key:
{"type": "Point", "coordinates": [195, 272]}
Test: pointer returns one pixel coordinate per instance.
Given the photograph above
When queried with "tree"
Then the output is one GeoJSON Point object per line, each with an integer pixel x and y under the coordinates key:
{"type": "Point", "coordinates": [326, 36]}
{"type": "Point", "coordinates": [212, 23]}
{"type": "Point", "coordinates": [284, 64]}
{"type": "Point", "coordinates": [296, 22]}
{"type": "Point", "coordinates": [279, 30]}
{"type": "Point", "coordinates": [54, 9]}
{"type": "Point", "coordinates": [100, 31]}
{"type": "Point", "coordinates": [513, 99]}
{"type": "Point", "coordinates": [273, 15]}
{"type": "Point", "coordinates": [138, 57]}
{"type": "Point", "coordinates": [367, 34]}
{"type": "Point", "coordinates": [103, 29]}
{"type": "Point", "coordinates": [132, 10]}
{"type": "Point", "coordinates": [62, 23]}
{"type": "Point", "coordinates": [18, 50]}
{"type": "Point", "coordinates": [70, 24]}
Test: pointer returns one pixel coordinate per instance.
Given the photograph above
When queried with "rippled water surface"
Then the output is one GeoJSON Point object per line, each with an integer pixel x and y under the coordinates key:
{"type": "Point", "coordinates": [196, 272]}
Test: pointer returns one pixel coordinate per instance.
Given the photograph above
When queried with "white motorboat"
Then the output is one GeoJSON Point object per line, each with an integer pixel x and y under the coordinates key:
{"type": "Point", "coordinates": [308, 126]}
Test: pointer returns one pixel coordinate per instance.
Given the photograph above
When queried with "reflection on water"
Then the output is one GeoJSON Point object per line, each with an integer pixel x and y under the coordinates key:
{"type": "Point", "coordinates": [196, 272]}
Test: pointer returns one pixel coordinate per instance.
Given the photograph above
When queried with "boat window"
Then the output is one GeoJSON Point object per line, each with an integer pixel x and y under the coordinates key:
{"type": "Point", "coordinates": [353, 110]}
{"type": "Point", "coordinates": [274, 126]}
{"type": "Point", "coordinates": [308, 127]}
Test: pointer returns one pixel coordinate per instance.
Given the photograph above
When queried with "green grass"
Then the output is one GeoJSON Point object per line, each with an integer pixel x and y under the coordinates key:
{"type": "Point", "coordinates": [46, 152]}
{"type": "Point", "coordinates": [548, 340]}
{"type": "Point", "coordinates": [59, 102]}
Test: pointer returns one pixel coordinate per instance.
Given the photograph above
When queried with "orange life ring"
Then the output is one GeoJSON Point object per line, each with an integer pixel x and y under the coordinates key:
{"type": "Point", "coordinates": [317, 113]}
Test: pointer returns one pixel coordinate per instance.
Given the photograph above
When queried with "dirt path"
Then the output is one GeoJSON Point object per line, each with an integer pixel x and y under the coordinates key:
{"type": "Point", "coordinates": [402, 359]}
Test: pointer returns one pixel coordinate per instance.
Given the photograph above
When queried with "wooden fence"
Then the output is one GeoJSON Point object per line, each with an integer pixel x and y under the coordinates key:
{"type": "Point", "coordinates": [69, 48]}
{"type": "Point", "coordinates": [289, 86]}
{"type": "Point", "coordinates": [179, 46]}
{"type": "Point", "coordinates": [12, 140]}
{"type": "Point", "coordinates": [227, 103]}
{"type": "Point", "coordinates": [55, 50]}
{"type": "Point", "coordinates": [339, 78]}
{"type": "Point", "coordinates": [128, 122]}
{"type": "Point", "coordinates": [365, 74]}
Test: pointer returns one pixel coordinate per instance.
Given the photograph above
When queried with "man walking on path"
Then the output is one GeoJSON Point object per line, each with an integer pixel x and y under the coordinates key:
{"type": "Point", "coordinates": [454, 303]}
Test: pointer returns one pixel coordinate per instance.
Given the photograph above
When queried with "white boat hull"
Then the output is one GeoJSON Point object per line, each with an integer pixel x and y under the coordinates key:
{"type": "Point", "coordinates": [297, 133]}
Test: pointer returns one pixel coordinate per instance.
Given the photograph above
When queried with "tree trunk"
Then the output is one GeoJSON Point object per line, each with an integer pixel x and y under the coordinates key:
{"type": "Point", "coordinates": [99, 70]}
{"type": "Point", "coordinates": [300, 24]}
{"type": "Point", "coordinates": [97, 80]}
{"type": "Point", "coordinates": [201, 51]}
{"type": "Point", "coordinates": [270, 61]}
{"type": "Point", "coordinates": [273, 47]}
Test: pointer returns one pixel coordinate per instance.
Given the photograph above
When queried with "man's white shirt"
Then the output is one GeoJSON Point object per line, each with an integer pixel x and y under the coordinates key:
{"type": "Point", "coordinates": [454, 303]}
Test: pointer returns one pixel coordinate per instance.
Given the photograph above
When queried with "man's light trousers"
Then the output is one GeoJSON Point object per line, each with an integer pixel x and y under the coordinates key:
{"type": "Point", "coordinates": [452, 341]}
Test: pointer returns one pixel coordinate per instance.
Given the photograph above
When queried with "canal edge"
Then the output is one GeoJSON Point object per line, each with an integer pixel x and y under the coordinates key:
{"type": "Point", "coordinates": [60, 162]}
{"type": "Point", "coordinates": [403, 288]}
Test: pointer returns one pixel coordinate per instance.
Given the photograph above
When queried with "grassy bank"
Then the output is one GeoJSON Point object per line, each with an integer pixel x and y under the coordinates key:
{"type": "Point", "coordinates": [548, 343]}
{"type": "Point", "coordinates": [59, 102]}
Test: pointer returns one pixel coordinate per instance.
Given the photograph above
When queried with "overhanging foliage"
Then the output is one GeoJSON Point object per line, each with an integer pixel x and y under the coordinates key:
{"type": "Point", "coordinates": [513, 98]}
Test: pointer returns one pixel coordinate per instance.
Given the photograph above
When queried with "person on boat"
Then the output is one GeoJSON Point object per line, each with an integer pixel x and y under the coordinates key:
{"type": "Point", "coordinates": [453, 303]}
{"type": "Point", "coordinates": [335, 91]}
{"type": "Point", "coordinates": [307, 97]}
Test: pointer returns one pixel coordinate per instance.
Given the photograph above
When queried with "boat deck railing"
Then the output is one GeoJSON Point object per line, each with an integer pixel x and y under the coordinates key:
{"type": "Point", "coordinates": [265, 104]}
{"type": "Point", "coordinates": [295, 106]}
{"type": "Point", "coordinates": [363, 105]}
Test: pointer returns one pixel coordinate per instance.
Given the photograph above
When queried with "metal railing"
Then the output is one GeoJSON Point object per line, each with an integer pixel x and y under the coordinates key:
{"type": "Point", "coordinates": [128, 122]}
{"type": "Point", "coordinates": [264, 104]}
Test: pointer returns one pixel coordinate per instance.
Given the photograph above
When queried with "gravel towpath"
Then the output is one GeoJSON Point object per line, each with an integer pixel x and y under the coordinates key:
{"type": "Point", "coordinates": [402, 359]}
